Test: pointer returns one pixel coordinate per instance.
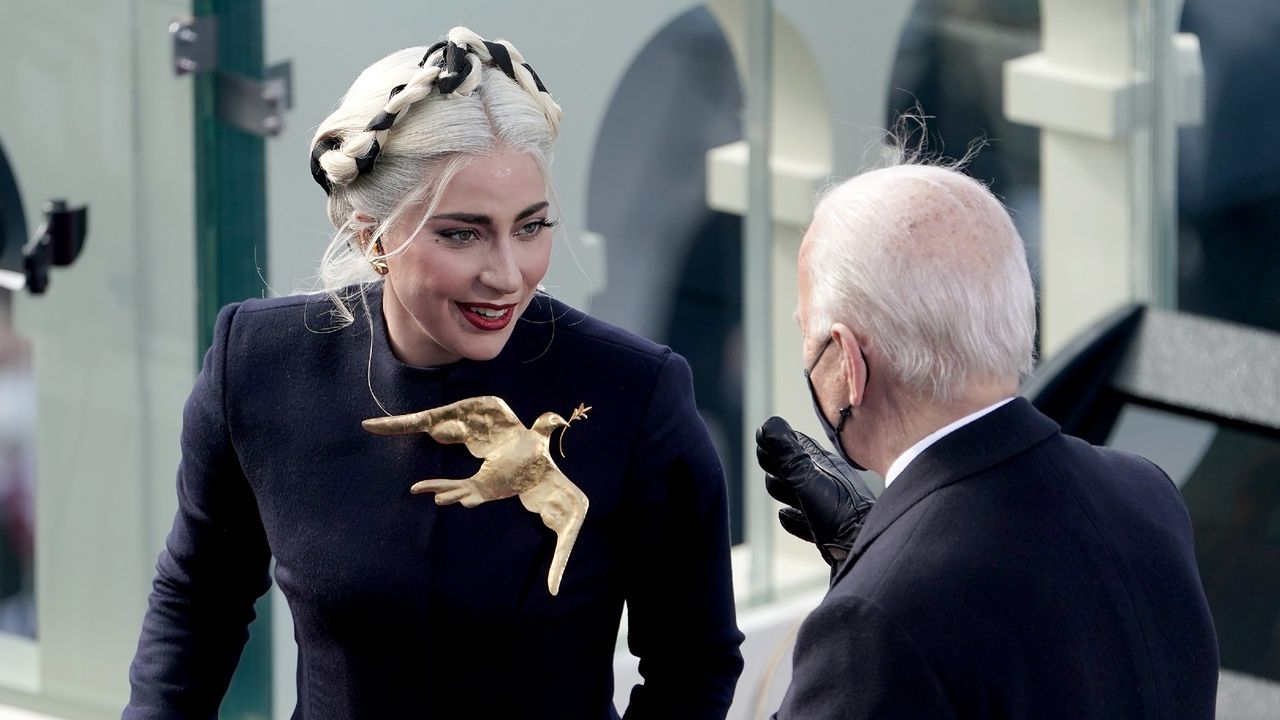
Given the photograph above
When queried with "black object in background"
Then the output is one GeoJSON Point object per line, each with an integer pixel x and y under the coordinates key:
{"type": "Point", "coordinates": [1198, 397]}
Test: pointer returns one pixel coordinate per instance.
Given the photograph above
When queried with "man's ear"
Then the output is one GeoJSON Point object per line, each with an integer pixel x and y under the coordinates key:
{"type": "Point", "coordinates": [852, 362]}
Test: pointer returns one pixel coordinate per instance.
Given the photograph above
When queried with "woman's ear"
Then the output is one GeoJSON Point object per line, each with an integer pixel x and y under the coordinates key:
{"type": "Point", "coordinates": [852, 362]}
{"type": "Point", "coordinates": [364, 226]}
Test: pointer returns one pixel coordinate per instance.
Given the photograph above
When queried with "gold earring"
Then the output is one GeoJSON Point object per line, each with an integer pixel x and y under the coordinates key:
{"type": "Point", "coordinates": [378, 261]}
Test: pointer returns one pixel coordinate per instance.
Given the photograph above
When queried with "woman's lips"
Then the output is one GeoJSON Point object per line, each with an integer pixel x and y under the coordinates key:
{"type": "Point", "coordinates": [487, 316]}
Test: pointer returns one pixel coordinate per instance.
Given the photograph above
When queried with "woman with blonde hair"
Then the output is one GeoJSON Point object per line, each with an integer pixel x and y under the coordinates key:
{"type": "Point", "coordinates": [460, 479]}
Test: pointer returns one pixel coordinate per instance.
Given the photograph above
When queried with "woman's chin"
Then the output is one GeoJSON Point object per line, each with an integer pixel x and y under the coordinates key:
{"type": "Point", "coordinates": [483, 348]}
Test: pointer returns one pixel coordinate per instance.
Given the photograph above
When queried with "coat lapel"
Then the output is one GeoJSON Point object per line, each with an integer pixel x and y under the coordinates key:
{"type": "Point", "coordinates": [985, 442]}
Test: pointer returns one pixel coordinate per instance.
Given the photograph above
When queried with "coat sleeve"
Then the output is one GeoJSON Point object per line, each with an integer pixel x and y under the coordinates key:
{"type": "Point", "coordinates": [851, 661]}
{"type": "Point", "coordinates": [214, 565]}
{"type": "Point", "coordinates": [679, 584]}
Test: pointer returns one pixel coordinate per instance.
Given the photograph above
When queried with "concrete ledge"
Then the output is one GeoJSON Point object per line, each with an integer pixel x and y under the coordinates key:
{"type": "Point", "coordinates": [19, 665]}
{"type": "Point", "coordinates": [1039, 93]}
{"type": "Point", "coordinates": [795, 184]}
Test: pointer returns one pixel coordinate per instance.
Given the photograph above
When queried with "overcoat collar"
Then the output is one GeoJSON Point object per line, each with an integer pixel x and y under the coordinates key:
{"type": "Point", "coordinates": [987, 441]}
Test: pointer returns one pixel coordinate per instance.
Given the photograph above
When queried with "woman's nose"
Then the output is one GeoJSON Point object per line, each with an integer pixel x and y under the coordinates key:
{"type": "Point", "coordinates": [501, 272]}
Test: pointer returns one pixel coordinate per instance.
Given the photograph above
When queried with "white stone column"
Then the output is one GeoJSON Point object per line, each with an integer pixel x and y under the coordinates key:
{"type": "Point", "coordinates": [1106, 104]}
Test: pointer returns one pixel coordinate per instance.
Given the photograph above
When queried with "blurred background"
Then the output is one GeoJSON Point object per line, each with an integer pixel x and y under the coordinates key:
{"type": "Point", "coordinates": [1132, 140]}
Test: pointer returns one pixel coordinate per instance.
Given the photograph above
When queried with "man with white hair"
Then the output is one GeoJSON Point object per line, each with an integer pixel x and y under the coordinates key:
{"type": "Point", "coordinates": [1007, 570]}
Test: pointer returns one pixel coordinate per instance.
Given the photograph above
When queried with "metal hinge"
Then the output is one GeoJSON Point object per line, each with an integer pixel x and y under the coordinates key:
{"type": "Point", "coordinates": [57, 244]}
{"type": "Point", "coordinates": [252, 105]}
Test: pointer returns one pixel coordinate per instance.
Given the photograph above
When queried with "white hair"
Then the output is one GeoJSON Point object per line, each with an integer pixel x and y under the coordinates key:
{"type": "Point", "coordinates": [425, 138]}
{"type": "Point", "coordinates": [925, 263]}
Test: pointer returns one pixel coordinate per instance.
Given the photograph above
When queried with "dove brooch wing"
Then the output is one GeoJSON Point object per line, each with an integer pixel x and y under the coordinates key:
{"type": "Point", "coordinates": [481, 423]}
{"type": "Point", "coordinates": [562, 507]}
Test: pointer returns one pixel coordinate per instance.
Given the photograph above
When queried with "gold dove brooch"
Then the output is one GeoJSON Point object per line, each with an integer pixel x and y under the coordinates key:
{"type": "Point", "coordinates": [517, 461]}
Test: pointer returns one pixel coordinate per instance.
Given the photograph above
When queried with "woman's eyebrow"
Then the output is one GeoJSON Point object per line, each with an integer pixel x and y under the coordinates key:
{"type": "Point", "coordinates": [531, 210]}
{"type": "Point", "coordinates": [479, 219]}
{"type": "Point", "coordinates": [471, 218]}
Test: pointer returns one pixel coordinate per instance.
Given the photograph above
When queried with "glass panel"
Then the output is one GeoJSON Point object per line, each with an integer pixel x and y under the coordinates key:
{"type": "Point", "coordinates": [112, 351]}
{"type": "Point", "coordinates": [949, 68]}
{"type": "Point", "coordinates": [1230, 479]}
{"type": "Point", "coordinates": [1229, 180]}
{"type": "Point", "coordinates": [674, 267]}
{"type": "Point", "coordinates": [17, 479]}
{"type": "Point", "coordinates": [17, 428]}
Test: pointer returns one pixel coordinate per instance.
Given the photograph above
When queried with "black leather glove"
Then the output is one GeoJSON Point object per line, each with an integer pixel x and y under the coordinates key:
{"type": "Point", "coordinates": [827, 500]}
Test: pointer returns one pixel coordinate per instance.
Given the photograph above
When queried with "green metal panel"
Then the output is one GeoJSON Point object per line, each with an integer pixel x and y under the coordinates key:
{"type": "Point", "coordinates": [231, 260]}
{"type": "Point", "coordinates": [231, 173]}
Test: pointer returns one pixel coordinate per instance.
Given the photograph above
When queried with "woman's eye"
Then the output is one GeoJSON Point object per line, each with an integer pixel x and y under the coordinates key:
{"type": "Point", "coordinates": [460, 236]}
{"type": "Point", "coordinates": [535, 227]}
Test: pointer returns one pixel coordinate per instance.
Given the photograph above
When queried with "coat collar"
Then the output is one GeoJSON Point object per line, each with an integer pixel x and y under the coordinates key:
{"type": "Point", "coordinates": [530, 341]}
{"type": "Point", "coordinates": [987, 441]}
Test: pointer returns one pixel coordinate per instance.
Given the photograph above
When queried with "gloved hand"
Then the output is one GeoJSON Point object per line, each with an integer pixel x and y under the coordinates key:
{"type": "Point", "coordinates": [827, 501]}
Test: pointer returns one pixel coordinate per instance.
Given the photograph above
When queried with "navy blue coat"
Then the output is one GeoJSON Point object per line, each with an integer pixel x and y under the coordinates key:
{"type": "Point", "coordinates": [1014, 572]}
{"type": "Point", "coordinates": [405, 609]}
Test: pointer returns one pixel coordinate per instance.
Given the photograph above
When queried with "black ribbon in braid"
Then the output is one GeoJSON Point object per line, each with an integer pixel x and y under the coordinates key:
{"type": "Point", "coordinates": [536, 80]}
{"type": "Point", "coordinates": [317, 172]}
{"type": "Point", "coordinates": [384, 119]}
{"type": "Point", "coordinates": [455, 63]}
{"type": "Point", "coordinates": [364, 163]}
{"type": "Point", "coordinates": [501, 58]}
{"type": "Point", "coordinates": [430, 50]}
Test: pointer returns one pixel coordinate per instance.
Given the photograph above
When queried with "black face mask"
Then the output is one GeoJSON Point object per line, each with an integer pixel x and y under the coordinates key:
{"type": "Point", "coordinates": [833, 432]}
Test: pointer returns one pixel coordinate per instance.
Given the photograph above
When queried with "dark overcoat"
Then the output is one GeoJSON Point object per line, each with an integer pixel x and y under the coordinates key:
{"type": "Point", "coordinates": [1014, 572]}
{"type": "Point", "coordinates": [403, 609]}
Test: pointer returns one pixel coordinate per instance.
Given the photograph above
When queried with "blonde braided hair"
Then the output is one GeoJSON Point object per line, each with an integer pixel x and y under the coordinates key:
{"type": "Point", "coordinates": [342, 162]}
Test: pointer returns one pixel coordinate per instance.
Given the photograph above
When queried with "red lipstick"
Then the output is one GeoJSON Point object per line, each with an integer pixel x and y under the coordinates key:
{"type": "Point", "coordinates": [487, 316]}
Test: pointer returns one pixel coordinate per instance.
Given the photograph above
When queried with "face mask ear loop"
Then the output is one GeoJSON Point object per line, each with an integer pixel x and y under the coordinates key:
{"type": "Point", "coordinates": [833, 431]}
